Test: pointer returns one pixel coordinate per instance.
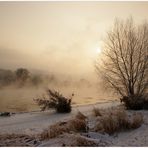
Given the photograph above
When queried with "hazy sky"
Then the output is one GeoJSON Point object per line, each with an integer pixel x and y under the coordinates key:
{"type": "Point", "coordinates": [59, 36]}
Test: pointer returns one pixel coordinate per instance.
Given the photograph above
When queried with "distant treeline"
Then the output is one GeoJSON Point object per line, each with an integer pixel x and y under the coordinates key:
{"type": "Point", "coordinates": [23, 77]}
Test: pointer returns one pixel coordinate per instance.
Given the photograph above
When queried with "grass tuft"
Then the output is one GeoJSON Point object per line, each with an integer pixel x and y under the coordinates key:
{"type": "Point", "coordinates": [118, 120]}
{"type": "Point", "coordinates": [74, 125]}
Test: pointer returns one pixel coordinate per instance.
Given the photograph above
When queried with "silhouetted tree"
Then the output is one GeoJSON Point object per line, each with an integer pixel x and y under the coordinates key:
{"type": "Point", "coordinates": [22, 74]}
{"type": "Point", "coordinates": [124, 64]}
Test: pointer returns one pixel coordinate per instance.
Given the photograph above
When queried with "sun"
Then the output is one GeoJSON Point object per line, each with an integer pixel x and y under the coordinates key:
{"type": "Point", "coordinates": [98, 50]}
{"type": "Point", "coordinates": [95, 51]}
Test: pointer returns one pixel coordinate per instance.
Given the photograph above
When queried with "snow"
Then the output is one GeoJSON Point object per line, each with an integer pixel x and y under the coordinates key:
{"type": "Point", "coordinates": [35, 122]}
{"type": "Point", "coordinates": [137, 137]}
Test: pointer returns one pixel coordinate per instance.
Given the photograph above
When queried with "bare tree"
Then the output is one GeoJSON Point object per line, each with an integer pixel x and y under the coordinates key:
{"type": "Point", "coordinates": [125, 58]}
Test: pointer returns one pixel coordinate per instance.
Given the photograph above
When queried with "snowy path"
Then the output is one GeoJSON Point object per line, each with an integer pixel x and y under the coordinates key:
{"type": "Point", "coordinates": [34, 122]}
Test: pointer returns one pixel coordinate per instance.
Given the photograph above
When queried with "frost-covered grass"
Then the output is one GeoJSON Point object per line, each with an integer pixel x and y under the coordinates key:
{"type": "Point", "coordinates": [73, 125]}
{"type": "Point", "coordinates": [118, 120]}
{"type": "Point", "coordinates": [81, 128]}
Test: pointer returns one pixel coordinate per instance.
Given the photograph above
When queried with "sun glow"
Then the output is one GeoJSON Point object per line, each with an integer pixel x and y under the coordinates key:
{"type": "Point", "coordinates": [98, 50]}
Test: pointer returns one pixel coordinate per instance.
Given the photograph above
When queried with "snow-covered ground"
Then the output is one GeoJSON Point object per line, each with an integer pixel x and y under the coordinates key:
{"type": "Point", "coordinates": [35, 122]}
{"type": "Point", "coordinates": [131, 138]}
{"type": "Point", "coordinates": [137, 137]}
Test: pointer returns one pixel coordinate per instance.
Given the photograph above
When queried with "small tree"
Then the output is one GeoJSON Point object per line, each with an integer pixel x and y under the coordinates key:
{"type": "Point", "coordinates": [124, 63]}
{"type": "Point", "coordinates": [54, 100]}
{"type": "Point", "coordinates": [22, 75]}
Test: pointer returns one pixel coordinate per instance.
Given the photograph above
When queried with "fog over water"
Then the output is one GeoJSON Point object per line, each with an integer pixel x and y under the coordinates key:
{"type": "Point", "coordinates": [13, 98]}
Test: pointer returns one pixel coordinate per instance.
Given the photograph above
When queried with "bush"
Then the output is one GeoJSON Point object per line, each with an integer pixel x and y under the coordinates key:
{"type": "Point", "coordinates": [55, 130]}
{"type": "Point", "coordinates": [122, 119]}
{"type": "Point", "coordinates": [74, 125]}
{"type": "Point", "coordinates": [135, 102]}
{"type": "Point", "coordinates": [108, 124]}
{"type": "Point", "coordinates": [55, 100]}
{"type": "Point", "coordinates": [117, 121]}
{"type": "Point", "coordinates": [78, 125]}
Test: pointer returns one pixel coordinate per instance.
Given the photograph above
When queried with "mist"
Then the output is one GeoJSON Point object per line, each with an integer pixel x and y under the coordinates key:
{"type": "Point", "coordinates": [18, 96]}
{"type": "Point", "coordinates": [59, 39]}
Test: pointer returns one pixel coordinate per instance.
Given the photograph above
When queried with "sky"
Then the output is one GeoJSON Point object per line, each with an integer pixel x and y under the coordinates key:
{"type": "Point", "coordinates": [59, 37]}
